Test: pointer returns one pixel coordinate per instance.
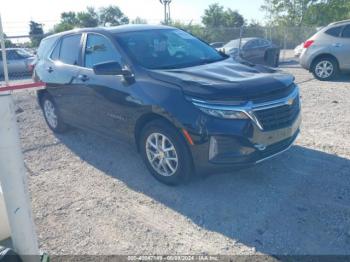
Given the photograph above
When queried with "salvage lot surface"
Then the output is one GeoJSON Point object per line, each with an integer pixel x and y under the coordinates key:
{"type": "Point", "coordinates": [94, 196]}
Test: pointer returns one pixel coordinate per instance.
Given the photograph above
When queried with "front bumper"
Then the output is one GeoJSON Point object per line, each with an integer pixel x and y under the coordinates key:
{"type": "Point", "coordinates": [244, 146]}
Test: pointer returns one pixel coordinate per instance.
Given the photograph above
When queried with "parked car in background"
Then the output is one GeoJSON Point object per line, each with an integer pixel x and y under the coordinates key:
{"type": "Point", "coordinates": [327, 52]}
{"type": "Point", "coordinates": [187, 109]}
{"type": "Point", "coordinates": [217, 45]}
{"type": "Point", "coordinates": [255, 50]}
{"type": "Point", "coordinates": [19, 61]}
{"type": "Point", "coordinates": [298, 50]}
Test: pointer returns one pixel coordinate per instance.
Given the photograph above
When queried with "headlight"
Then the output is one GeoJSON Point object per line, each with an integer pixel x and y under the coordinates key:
{"type": "Point", "coordinates": [226, 112]}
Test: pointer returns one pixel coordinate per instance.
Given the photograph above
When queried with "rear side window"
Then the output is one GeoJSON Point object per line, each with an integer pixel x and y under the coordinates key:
{"type": "Point", "coordinates": [334, 31]}
{"type": "Point", "coordinates": [99, 49]}
{"type": "Point", "coordinates": [56, 52]}
{"type": "Point", "coordinates": [70, 49]}
{"type": "Point", "coordinates": [346, 32]}
{"type": "Point", "coordinates": [45, 47]}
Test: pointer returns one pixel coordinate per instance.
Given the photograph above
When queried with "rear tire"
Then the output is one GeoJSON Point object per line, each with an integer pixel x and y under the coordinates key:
{"type": "Point", "coordinates": [325, 68]}
{"type": "Point", "coordinates": [165, 153]}
{"type": "Point", "coordinates": [52, 114]}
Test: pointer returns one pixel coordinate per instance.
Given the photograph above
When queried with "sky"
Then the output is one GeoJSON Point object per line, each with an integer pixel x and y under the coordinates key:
{"type": "Point", "coordinates": [15, 16]}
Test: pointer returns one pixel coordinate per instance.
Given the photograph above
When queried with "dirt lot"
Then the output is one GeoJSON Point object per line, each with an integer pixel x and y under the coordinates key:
{"type": "Point", "coordinates": [94, 196]}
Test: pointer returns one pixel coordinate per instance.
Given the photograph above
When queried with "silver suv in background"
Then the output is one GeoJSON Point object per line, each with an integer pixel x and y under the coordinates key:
{"type": "Point", "coordinates": [19, 62]}
{"type": "Point", "coordinates": [328, 52]}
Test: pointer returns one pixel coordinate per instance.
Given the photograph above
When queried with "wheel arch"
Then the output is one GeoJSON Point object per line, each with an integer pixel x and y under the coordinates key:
{"type": "Point", "coordinates": [149, 117]}
{"type": "Point", "coordinates": [323, 55]}
{"type": "Point", "coordinates": [40, 95]}
{"type": "Point", "coordinates": [143, 121]}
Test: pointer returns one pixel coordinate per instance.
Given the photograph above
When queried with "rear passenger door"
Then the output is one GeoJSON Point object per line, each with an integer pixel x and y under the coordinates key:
{"type": "Point", "coordinates": [62, 69]}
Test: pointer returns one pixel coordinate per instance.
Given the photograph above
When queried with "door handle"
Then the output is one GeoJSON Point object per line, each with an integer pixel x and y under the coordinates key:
{"type": "Point", "coordinates": [83, 78]}
{"type": "Point", "coordinates": [50, 69]}
{"type": "Point", "coordinates": [337, 45]}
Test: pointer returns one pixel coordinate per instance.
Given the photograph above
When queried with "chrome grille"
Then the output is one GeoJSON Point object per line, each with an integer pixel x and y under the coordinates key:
{"type": "Point", "coordinates": [280, 116]}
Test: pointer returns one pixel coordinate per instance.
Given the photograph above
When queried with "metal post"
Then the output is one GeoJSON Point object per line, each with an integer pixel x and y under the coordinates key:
{"type": "Point", "coordinates": [3, 53]}
{"type": "Point", "coordinates": [13, 177]}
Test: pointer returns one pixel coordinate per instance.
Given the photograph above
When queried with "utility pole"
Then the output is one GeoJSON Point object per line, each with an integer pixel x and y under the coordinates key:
{"type": "Point", "coordinates": [166, 3]}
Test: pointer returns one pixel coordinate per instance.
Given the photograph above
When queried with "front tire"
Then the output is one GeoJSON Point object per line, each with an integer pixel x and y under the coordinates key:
{"type": "Point", "coordinates": [52, 114]}
{"type": "Point", "coordinates": [325, 68]}
{"type": "Point", "coordinates": [165, 153]}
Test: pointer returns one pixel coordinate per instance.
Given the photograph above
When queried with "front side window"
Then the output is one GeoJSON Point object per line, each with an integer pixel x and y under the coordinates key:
{"type": "Point", "coordinates": [346, 32]}
{"type": "Point", "coordinates": [70, 49]}
{"type": "Point", "coordinates": [98, 50]}
{"type": "Point", "coordinates": [167, 49]}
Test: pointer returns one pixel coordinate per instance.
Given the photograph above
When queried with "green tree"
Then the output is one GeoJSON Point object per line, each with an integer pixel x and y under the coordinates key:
{"type": "Point", "coordinates": [36, 33]}
{"type": "Point", "coordinates": [112, 16]}
{"type": "Point", "coordinates": [87, 19]}
{"type": "Point", "coordinates": [233, 18]}
{"type": "Point", "coordinates": [287, 12]}
{"type": "Point", "coordinates": [68, 21]}
{"type": "Point", "coordinates": [325, 12]}
{"type": "Point", "coordinates": [216, 16]}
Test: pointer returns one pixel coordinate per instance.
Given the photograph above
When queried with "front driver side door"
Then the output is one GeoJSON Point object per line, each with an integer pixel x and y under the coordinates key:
{"type": "Point", "coordinates": [109, 109]}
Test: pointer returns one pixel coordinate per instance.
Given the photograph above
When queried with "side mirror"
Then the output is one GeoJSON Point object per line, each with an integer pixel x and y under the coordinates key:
{"type": "Point", "coordinates": [110, 68]}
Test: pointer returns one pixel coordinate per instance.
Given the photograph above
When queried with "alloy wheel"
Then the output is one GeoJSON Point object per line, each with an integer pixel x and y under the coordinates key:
{"type": "Point", "coordinates": [50, 113]}
{"type": "Point", "coordinates": [324, 69]}
{"type": "Point", "coordinates": [161, 154]}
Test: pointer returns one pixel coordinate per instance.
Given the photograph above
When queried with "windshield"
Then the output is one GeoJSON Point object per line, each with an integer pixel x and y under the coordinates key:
{"type": "Point", "coordinates": [235, 44]}
{"type": "Point", "coordinates": [23, 53]}
{"type": "Point", "coordinates": [167, 49]}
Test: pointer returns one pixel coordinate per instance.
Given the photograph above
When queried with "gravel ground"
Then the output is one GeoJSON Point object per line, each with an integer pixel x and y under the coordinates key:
{"type": "Point", "coordinates": [94, 196]}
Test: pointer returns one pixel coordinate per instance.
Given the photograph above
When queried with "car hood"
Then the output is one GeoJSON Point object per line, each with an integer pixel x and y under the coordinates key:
{"type": "Point", "coordinates": [227, 80]}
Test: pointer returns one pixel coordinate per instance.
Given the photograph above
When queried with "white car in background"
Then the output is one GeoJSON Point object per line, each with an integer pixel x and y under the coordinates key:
{"type": "Point", "coordinates": [298, 50]}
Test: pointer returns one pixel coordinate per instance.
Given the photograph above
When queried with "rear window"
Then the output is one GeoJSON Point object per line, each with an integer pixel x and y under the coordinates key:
{"type": "Point", "coordinates": [334, 31]}
{"type": "Point", "coordinates": [46, 46]}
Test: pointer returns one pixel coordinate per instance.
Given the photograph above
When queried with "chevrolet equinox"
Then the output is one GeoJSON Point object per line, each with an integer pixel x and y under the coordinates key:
{"type": "Point", "coordinates": [187, 107]}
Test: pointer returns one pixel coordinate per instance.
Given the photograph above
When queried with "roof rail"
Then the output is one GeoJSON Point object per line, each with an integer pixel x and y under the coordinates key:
{"type": "Point", "coordinates": [340, 22]}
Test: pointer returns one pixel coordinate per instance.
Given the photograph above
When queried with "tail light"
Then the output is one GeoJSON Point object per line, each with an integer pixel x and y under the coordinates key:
{"type": "Point", "coordinates": [308, 43]}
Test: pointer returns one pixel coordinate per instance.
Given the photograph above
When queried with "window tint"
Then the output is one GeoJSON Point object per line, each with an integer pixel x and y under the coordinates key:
{"type": "Point", "coordinates": [70, 49]}
{"type": "Point", "coordinates": [46, 46]}
{"type": "Point", "coordinates": [263, 42]}
{"type": "Point", "coordinates": [334, 31]}
{"type": "Point", "coordinates": [346, 32]}
{"type": "Point", "coordinates": [12, 55]}
{"type": "Point", "coordinates": [56, 52]}
{"type": "Point", "coordinates": [252, 44]}
{"type": "Point", "coordinates": [99, 49]}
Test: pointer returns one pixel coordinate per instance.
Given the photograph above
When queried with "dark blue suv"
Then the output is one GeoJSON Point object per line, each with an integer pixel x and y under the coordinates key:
{"type": "Point", "coordinates": [186, 106]}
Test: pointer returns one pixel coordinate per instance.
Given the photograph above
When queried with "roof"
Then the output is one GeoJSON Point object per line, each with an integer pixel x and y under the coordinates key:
{"type": "Point", "coordinates": [340, 22]}
{"type": "Point", "coordinates": [114, 29]}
